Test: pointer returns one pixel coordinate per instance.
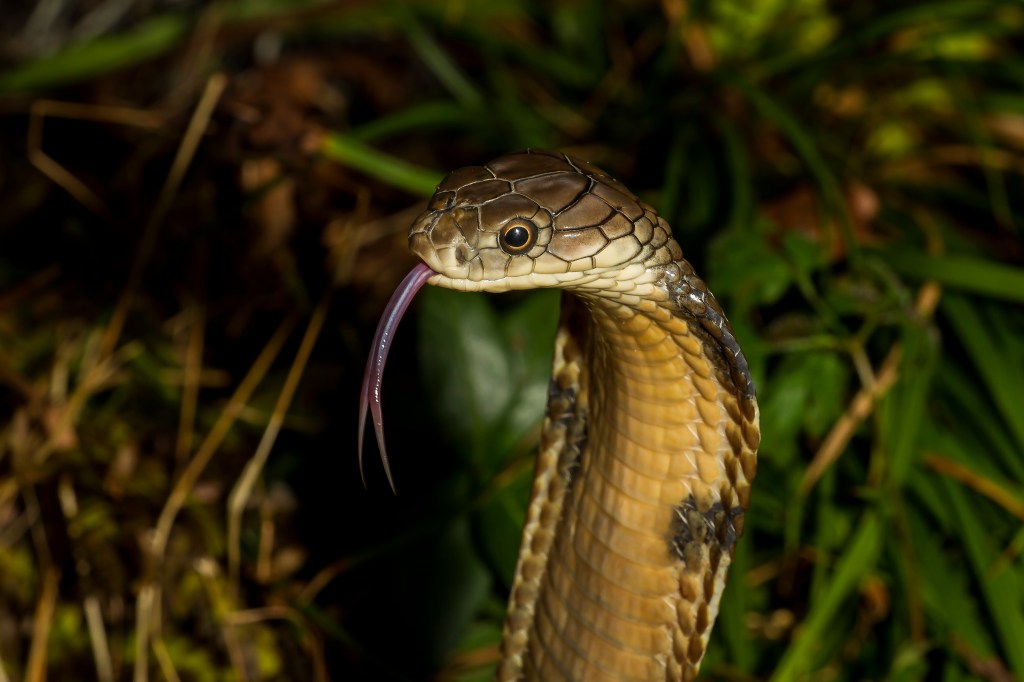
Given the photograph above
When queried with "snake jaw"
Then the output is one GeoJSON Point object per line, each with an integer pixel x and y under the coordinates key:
{"type": "Point", "coordinates": [373, 376]}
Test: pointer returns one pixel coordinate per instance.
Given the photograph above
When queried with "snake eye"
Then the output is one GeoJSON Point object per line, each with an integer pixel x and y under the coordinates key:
{"type": "Point", "coordinates": [518, 236]}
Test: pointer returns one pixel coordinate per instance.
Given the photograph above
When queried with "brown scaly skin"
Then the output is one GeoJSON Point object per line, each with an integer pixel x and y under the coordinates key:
{"type": "Point", "coordinates": [650, 439]}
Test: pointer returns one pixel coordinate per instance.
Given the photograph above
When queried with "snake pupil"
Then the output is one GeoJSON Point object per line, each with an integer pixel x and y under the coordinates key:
{"type": "Point", "coordinates": [517, 238]}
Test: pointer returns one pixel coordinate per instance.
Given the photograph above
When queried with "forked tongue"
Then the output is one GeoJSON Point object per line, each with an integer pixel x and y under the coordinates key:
{"type": "Point", "coordinates": [373, 377]}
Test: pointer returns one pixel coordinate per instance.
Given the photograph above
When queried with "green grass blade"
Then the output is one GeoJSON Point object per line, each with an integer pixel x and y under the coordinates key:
{"type": "Point", "coordinates": [732, 627]}
{"type": "Point", "coordinates": [978, 423]}
{"type": "Point", "coordinates": [859, 558]}
{"type": "Point", "coordinates": [995, 351]}
{"type": "Point", "coordinates": [741, 196]}
{"type": "Point", "coordinates": [775, 111]}
{"type": "Point", "coordinates": [386, 168]}
{"type": "Point", "coordinates": [972, 274]}
{"type": "Point", "coordinates": [442, 66]}
{"type": "Point", "coordinates": [948, 600]}
{"type": "Point", "coordinates": [416, 119]}
{"type": "Point", "coordinates": [102, 55]}
{"type": "Point", "coordinates": [904, 410]}
{"type": "Point", "coordinates": [1004, 590]}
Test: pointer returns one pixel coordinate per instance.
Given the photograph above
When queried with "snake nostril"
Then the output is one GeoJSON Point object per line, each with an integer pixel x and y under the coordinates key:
{"type": "Point", "coordinates": [462, 254]}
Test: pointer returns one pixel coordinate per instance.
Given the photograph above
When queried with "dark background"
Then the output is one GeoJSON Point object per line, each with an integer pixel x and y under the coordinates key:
{"type": "Point", "coordinates": [203, 210]}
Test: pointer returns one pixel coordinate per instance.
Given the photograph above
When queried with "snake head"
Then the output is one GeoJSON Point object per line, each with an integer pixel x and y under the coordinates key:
{"type": "Point", "coordinates": [537, 219]}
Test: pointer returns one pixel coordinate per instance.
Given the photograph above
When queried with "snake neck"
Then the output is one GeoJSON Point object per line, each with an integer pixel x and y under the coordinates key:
{"type": "Point", "coordinates": [642, 479]}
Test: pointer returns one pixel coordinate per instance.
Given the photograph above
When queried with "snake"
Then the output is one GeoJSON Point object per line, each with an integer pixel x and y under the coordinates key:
{"type": "Point", "coordinates": [649, 440]}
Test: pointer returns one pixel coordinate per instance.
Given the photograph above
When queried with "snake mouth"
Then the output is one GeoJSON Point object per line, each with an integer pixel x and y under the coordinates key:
{"type": "Point", "coordinates": [373, 376]}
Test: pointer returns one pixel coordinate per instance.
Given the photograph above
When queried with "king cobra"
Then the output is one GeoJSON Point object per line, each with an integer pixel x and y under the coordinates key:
{"type": "Point", "coordinates": [650, 436]}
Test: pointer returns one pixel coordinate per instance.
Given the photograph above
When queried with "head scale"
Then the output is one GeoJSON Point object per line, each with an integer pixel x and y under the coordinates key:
{"type": "Point", "coordinates": [536, 219]}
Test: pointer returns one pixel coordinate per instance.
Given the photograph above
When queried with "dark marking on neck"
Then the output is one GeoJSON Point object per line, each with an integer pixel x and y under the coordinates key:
{"type": "Point", "coordinates": [564, 410]}
{"type": "Point", "coordinates": [691, 299]}
{"type": "Point", "coordinates": [693, 528]}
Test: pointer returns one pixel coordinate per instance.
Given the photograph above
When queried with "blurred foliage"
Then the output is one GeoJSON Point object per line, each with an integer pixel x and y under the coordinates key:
{"type": "Point", "coordinates": [196, 193]}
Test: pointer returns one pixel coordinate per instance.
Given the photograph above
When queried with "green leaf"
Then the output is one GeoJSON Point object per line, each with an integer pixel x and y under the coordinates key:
{"type": "Point", "coordinates": [500, 524]}
{"type": "Point", "coordinates": [489, 372]}
{"type": "Point", "coordinates": [743, 262]}
{"type": "Point", "coordinates": [465, 365]}
{"type": "Point", "coordinates": [806, 397]}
